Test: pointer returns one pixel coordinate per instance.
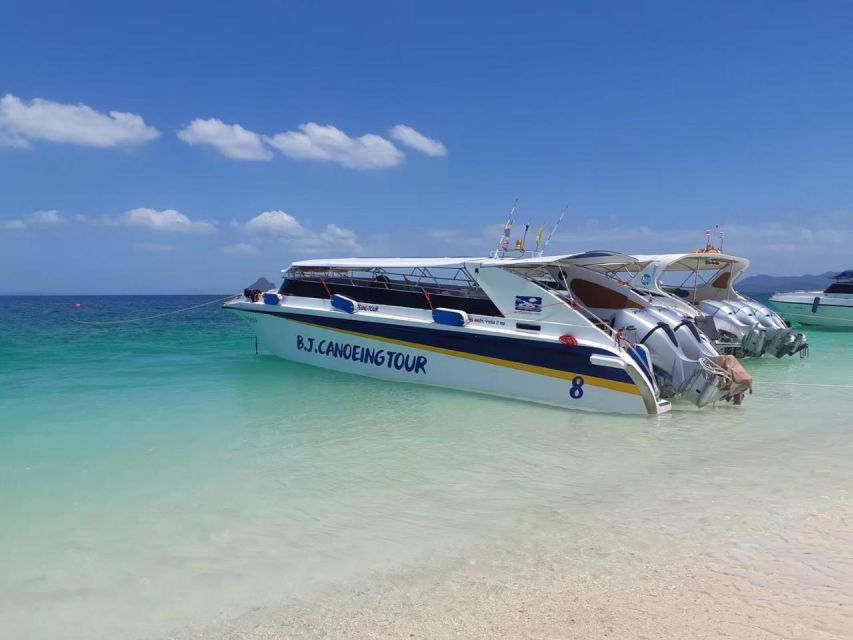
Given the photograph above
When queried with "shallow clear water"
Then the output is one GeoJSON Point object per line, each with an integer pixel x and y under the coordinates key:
{"type": "Point", "coordinates": [159, 475]}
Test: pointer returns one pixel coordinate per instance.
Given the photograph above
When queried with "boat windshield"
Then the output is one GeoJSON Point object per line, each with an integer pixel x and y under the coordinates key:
{"type": "Point", "coordinates": [439, 280]}
{"type": "Point", "coordinates": [840, 287]}
{"type": "Point", "coordinates": [412, 287]}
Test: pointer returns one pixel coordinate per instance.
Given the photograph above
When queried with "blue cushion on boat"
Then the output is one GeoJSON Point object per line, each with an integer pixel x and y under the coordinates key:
{"type": "Point", "coordinates": [342, 303]}
{"type": "Point", "coordinates": [451, 317]}
{"type": "Point", "coordinates": [271, 298]}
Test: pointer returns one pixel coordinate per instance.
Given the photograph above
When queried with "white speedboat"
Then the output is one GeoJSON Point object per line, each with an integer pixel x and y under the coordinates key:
{"type": "Point", "coordinates": [501, 326]}
{"type": "Point", "coordinates": [832, 307]}
{"type": "Point", "coordinates": [700, 285]}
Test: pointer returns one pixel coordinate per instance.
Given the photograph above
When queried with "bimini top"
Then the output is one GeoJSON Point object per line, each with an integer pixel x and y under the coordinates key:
{"type": "Point", "coordinates": [693, 261]}
{"type": "Point", "coordinates": [357, 264]}
{"type": "Point", "coordinates": [723, 269]}
{"type": "Point", "coordinates": [599, 258]}
{"type": "Point", "coordinates": [588, 258]}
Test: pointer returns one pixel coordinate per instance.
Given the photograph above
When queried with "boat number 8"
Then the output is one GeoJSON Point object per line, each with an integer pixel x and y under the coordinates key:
{"type": "Point", "coordinates": [576, 391]}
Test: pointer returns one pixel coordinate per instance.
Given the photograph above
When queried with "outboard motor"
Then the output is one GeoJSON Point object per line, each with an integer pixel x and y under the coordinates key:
{"type": "Point", "coordinates": [692, 341]}
{"type": "Point", "coordinates": [781, 340]}
{"type": "Point", "coordinates": [744, 328]}
{"type": "Point", "coordinates": [700, 380]}
{"type": "Point", "coordinates": [747, 314]}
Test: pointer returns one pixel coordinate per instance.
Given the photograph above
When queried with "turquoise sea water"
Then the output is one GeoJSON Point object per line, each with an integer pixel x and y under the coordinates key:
{"type": "Point", "coordinates": [159, 475]}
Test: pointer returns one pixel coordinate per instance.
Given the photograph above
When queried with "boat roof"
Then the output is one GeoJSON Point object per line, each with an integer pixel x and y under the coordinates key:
{"type": "Point", "coordinates": [602, 258]}
{"type": "Point", "coordinates": [692, 261]}
{"type": "Point", "coordinates": [382, 263]}
{"type": "Point", "coordinates": [844, 275]}
{"type": "Point", "coordinates": [588, 258]}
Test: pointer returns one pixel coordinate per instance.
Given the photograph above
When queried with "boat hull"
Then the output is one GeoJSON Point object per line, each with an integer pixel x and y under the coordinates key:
{"type": "Point", "coordinates": [452, 359]}
{"type": "Point", "coordinates": [826, 313]}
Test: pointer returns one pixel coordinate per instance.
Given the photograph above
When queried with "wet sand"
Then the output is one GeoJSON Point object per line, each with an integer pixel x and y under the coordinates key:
{"type": "Point", "coordinates": [790, 576]}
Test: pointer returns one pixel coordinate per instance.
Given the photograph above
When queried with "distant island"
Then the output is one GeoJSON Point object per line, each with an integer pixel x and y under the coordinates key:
{"type": "Point", "coordinates": [763, 284]}
{"type": "Point", "coordinates": [262, 284]}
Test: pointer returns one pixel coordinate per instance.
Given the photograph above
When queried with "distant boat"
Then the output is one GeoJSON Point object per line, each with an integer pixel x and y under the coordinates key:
{"type": "Point", "coordinates": [832, 307]}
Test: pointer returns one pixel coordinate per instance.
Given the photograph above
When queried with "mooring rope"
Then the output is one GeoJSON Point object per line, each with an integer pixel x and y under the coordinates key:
{"type": "Point", "coordinates": [814, 384]}
{"type": "Point", "coordinates": [158, 315]}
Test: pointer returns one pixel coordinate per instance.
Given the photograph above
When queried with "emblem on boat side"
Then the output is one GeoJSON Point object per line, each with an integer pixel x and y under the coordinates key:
{"type": "Point", "coordinates": [528, 303]}
{"type": "Point", "coordinates": [646, 279]}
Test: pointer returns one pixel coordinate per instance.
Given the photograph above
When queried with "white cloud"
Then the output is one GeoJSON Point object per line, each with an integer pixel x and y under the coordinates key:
{"type": "Point", "coordinates": [167, 220]}
{"type": "Point", "coordinates": [277, 223]}
{"type": "Point", "coordinates": [105, 220]}
{"type": "Point", "coordinates": [299, 238]}
{"type": "Point", "coordinates": [22, 123]}
{"type": "Point", "coordinates": [231, 140]}
{"type": "Point", "coordinates": [49, 217]}
{"type": "Point", "coordinates": [330, 144]}
{"type": "Point", "coordinates": [338, 236]}
{"type": "Point", "coordinates": [13, 140]}
{"type": "Point", "coordinates": [46, 217]}
{"type": "Point", "coordinates": [418, 141]}
{"type": "Point", "coordinates": [241, 249]}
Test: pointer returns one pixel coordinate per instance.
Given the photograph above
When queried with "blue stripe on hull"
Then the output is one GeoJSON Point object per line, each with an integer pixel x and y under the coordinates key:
{"type": "Point", "coordinates": [551, 355]}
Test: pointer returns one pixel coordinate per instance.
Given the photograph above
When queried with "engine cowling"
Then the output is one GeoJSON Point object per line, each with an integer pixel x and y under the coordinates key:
{"type": "Point", "coordinates": [743, 326]}
{"type": "Point", "coordinates": [676, 372]}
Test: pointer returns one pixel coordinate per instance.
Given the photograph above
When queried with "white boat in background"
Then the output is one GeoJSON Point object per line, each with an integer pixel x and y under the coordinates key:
{"type": "Point", "coordinates": [537, 329]}
{"type": "Point", "coordinates": [832, 307]}
{"type": "Point", "coordinates": [700, 285]}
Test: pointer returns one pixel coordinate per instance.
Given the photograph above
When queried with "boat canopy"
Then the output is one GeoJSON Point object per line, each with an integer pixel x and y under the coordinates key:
{"type": "Point", "coordinates": [844, 275]}
{"type": "Point", "coordinates": [361, 264]}
{"type": "Point", "coordinates": [603, 260]}
{"type": "Point", "coordinates": [685, 274]}
{"type": "Point", "coordinates": [694, 261]}
{"type": "Point", "coordinates": [598, 260]}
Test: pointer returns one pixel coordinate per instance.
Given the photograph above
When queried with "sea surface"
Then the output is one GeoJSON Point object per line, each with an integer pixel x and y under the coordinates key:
{"type": "Point", "coordinates": [159, 476]}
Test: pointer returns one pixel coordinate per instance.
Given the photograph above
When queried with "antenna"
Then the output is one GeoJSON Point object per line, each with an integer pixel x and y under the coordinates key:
{"type": "Point", "coordinates": [554, 229]}
{"type": "Point", "coordinates": [503, 240]}
{"type": "Point", "coordinates": [720, 233]}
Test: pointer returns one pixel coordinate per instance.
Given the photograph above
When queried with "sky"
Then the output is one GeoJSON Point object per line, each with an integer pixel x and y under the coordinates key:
{"type": "Point", "coordinates": [173, 147]}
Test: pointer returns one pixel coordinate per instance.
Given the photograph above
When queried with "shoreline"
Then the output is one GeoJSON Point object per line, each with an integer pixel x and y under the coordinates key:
{"type": "Point", "coordinates": [788, 577]}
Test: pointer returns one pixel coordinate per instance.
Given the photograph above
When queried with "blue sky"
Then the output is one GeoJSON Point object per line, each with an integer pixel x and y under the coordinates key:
{"type": "Point", "coordinates": [651, 121]}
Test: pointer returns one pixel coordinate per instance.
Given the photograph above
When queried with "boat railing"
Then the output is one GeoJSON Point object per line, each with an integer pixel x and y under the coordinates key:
{"type": "Point", "coordinates": [450, 282]}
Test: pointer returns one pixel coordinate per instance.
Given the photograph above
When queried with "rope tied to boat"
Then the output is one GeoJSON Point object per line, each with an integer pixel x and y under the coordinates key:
{"type": "Point", "coordinates": [158, 315]}
{"type": "Point", "coordinates": [814, 384]}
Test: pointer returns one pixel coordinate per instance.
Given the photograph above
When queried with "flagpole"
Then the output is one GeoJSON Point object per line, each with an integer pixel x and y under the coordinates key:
{"type": "Point", "coordinates": [503, 240]}
{"type": "Point", "coordinates": [554, 229]}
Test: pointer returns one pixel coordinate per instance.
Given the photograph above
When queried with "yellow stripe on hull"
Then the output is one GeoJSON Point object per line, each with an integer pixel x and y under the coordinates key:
{"type": "Point", "coordinates": [623, 387]}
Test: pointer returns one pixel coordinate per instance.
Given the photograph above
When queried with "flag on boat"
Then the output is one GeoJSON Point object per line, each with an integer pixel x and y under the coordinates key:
{"type": "Point", "coordinates": [538, 237]}
{"type": "Point", "coordinates": [507, 232]}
